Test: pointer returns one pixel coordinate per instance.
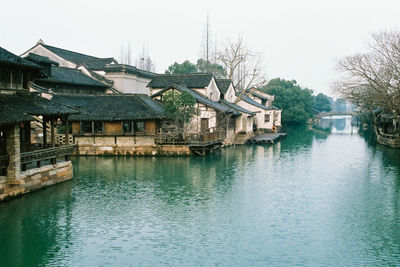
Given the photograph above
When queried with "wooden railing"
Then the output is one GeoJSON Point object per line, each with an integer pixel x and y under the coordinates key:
{"type": "Point", "coordinates": [202, 138]}
{"type": "Point", "coordinates": [46, 154]}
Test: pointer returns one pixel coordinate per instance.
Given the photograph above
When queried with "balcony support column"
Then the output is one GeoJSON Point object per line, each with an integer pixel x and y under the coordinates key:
{"type": "Point", "coordinates": [14, 151]}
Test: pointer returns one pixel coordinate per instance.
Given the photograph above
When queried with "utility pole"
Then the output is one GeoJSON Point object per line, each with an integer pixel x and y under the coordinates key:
{"type": "Point", "coordinates": [207, 37]}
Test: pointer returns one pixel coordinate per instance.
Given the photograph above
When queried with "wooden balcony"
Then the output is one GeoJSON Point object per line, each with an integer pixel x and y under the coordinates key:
{"type": "Point", "coordinates": [46, 154]}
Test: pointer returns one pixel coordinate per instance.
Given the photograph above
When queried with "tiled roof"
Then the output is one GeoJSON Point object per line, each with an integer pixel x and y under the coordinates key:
{"type": "Point", "coordinates": [254, 103]}
{"type": "Point", "coordinates": [94, 63]}
{"type": "Point", "coordinates": [254, 93]}
{"type": "Point", "coordinates": [259, 96]}
{"type": "Point", "coordinates": [71, 76]}
{"type": "Point", "coordinates": [40, 59]}
{"type": "Point", "coordinates": [129, 69]}
{"type": "Point", "coordinates": [9, 58]}
{"type": "Point", "coordinates": [223, 85]}
{"type": "Point", "coordinates": [236, 107]}
{"type": "Point", "coordinates": [118, 107]}
{"type": "Point", "coordinates": [76, 101]}
{"type": "Point", "coordinates": [100, 77]}
{"type": "Point", "coordinates": [12, 116]}
{"type": "Point", "coordinates": [193, 80]}
{"type": "Point", "coordinates": [18, 107]}
{"type": "Point", "coordinates": [200, 98]}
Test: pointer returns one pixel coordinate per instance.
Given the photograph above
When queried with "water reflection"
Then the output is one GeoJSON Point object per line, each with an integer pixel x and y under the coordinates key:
{"type": "Point", "coordinates": [312, 199]}
{"type": "Point", "coordinates": [338, 124]}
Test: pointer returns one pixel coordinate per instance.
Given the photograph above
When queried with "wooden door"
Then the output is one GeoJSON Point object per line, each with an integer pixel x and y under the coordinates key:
{"type": "Point", "coordinates": [204, 125]}
{"type": "Point", "coordinates": [150, 127]}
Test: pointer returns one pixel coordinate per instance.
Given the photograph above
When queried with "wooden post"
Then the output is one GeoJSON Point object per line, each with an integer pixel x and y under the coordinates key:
{"type": "Point", "coordinates": [44, 132]}
{"type": "Point", "coordinates": [66, 131]}
{"type": "Point", "coordinates": [53, 136]}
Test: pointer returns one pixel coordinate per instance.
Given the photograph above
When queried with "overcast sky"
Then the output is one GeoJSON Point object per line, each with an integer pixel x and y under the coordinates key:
{"type": "Point", "coordinates": [298, 39]}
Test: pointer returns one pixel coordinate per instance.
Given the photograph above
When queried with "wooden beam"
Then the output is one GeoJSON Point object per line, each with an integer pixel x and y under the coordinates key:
{"type": "Point", "coordinates": [53, 136]}
{"type": "Point", "coordinates": [44, 126]}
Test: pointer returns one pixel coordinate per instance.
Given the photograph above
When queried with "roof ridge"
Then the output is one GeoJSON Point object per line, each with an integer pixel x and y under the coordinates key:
{"type": "Point", "coordinates": [188, 74]}
{"type": "Point", "coordinates": [141, 101]}
{"type": "Point", "coordinates": [46, 45]}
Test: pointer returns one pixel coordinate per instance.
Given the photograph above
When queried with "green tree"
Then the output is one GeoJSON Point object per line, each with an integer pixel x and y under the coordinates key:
{"type": "Point", "coordinates": [206, 66]}
{"type": "Point", "coordinates": [179, 107]}
{"type": "Point", "coordinates": [184, 68]}
{"type": "Point", "coordinates": [296, 103]}
{"type": "Point", "coordinates": [322, 103]}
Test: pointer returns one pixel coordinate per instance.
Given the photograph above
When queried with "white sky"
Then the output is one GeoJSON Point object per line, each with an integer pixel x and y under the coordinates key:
{"type": "Point", "coordinates": [298, 39]}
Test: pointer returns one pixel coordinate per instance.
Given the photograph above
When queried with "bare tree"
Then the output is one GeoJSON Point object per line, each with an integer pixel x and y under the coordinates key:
{"type": "Point", "coordinates": [125, 54]}
{"type": "Point", "coordinates": [243, 66]}
{"type": "Point", "coordinates": [372, 79]}
{"type": "Point", "coordinates": [144, 61]}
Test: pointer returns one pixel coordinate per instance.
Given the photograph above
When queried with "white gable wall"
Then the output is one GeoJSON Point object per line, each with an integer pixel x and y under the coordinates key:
{"type": "Point", "coordinates": [230, 94]}
{"type": "Point", "coordinates": [129, 84]}
{"type": "Point", "coordinates": [42, 51]}
{"type": "Point", "coordinates": [213, 92]}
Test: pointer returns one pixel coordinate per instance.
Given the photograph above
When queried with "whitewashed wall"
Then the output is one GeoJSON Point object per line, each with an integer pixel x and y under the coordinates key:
{"type": "Point", "coordinates": [129, 84]}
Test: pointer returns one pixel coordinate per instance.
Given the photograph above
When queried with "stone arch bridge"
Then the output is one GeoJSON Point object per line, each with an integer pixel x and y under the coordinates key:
{"type": "Point", "coordinates": [336, 113]}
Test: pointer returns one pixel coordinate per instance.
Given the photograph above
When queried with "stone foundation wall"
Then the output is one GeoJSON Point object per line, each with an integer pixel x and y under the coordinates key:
{"type": "Point", "coordinates": [132, 150]}
{"type": "Point", "coordinates": [126, 146]}
{"type": "Point", "coordinates": [35, 179]}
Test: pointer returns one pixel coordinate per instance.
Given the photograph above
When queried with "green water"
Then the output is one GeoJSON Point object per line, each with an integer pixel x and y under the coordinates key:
{"type": "Point", "coordinates": [314, 199]}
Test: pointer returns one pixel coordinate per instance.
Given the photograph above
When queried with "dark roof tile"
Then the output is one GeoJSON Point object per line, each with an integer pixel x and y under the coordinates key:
{"type": "Point", "coordinates": [254, 103]}
{"type": "Point", "coordinates": [71, 76]}
{"type": "Point", "coordinates": [40, 59]}
{"type": "Point", "coordinates": [118, 107]}
{"type": "Point", "coordinates": [200, 98]}
{"type": "Point", "coordinates": [18, 107]}
{"type": "Point", "coordinates": [236, 107]}
{"type": "Point", "coordinates": [193, 80]}
{"type": "Point", "coordinates": [223, 85]}
{"type": "Point", "coordinates": [94, 63]}
{"type": "Point", "coordinates": [9, 58]}
{"type": "Point", "coordinates": [129, 69]}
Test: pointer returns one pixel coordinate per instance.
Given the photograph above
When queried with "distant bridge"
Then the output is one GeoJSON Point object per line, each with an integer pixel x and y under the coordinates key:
{"type": "Point", "coordinates": [336, 113]}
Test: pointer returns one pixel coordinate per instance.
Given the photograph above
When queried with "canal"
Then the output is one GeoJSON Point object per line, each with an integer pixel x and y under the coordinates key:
{"type": "Point", "coordinates": [317, 198]}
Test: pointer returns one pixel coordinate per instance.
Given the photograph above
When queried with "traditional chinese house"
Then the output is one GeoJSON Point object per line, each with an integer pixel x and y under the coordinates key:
{"type": "Point", "coordinates": [24, 167]}
{"type": "Point", "coordinates": [213, 96]}
{"type": "Point", "coordinates": [117, 78]}
{"type": "Point", "coordinates": [115, 124]}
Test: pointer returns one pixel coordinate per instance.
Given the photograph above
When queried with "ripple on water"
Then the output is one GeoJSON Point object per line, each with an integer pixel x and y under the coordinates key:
{"type": "Point", "coordinates": [309, 200]}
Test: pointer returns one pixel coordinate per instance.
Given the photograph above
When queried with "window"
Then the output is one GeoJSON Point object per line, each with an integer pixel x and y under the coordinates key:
{"type": "Point", "coordinates": [264, 102]}
{"type": "Point", "coordinates": [139, 126]}
{"type": "Point", "coordinates": [86, 126]}
{"type": "Point", "coordinates": [98, 127]}
{"type": "Point", "coordinates": [267, 118]}
{"type": "Point", "coordinates": [127, 126]}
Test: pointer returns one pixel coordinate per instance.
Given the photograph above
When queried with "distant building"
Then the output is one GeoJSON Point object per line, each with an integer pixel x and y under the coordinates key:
{"type": "Point", "coordinates": [117, 77]}
{"type": "Point", "coordinates": [202, 83]}
{"type": "Point", "coordinates": [62, 80]}
{"type": "Point", "coordinates": [267, 116]}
